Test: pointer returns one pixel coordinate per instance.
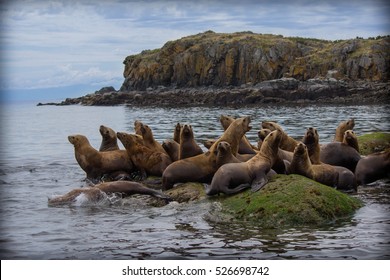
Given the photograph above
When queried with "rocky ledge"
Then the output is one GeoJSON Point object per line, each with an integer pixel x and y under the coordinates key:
{"type": "Point", "coordinates": [282, 91]}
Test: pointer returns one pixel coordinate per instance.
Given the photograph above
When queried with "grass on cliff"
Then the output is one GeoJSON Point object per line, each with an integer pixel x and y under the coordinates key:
{"type": "Point", "coordinates": [291, 200]}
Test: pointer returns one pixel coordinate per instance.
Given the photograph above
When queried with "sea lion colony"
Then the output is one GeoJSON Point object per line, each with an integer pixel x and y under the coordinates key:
{"type": "Point", "coordinates": [229, 164]}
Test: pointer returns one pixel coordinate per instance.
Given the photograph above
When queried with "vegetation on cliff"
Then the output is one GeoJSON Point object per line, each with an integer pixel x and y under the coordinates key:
{"type": "Point", "coordinates": [220, 59]}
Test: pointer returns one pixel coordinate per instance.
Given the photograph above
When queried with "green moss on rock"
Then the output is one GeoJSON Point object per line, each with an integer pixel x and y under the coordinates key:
{"type": "Point", "coordinates": [373, 142]}
{"type": "Point", "coordinates": [291, 200]}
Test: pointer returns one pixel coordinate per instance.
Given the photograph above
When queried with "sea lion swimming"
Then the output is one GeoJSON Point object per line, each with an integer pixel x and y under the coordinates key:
{"type": "Point", "coordinates": [231, 178]}
{"type": "Point", "coordinates": [97, 164]}
{"type": "Point", "coordinates": [97, 193]}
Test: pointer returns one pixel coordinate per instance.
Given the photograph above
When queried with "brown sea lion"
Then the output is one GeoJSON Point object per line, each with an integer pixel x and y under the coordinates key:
{"type": "Point", "coordinates": [340, 154]}
{"type": "Point", "coordinates": [342, 128]}
{"type": "Point", "coordinates": [148, 138]}
{"type": "Point", "coordinates": [97, 193]}
{"type": "Point", "coordinates": [373, 167]}
{"type": "Point", "coordinates": [312, 141]}
{"type": "Point", "coordinates": [172, 148]}
{"type": "Point", "coordinates": [224, 154]}
{"type": "Point", "coordinates": [287, 143]}
{"type": "Point", "coordinates": [351, 140]}
{"type": "Point", "coordinates": [209, 142]}
{"type": "Point", "coordinates": [262, 133]}
{"type": "Point", "coordinates": [149, 162]}
{"type": "Point", "coordinates": [201, 168]}
{"type": "Point", "coordinates": [137, 127]}
{"type": "Point", "coordinates": [109, 140]}
{"type": "Point", "coordinates": [334, 176]}
{"type": "Point", "coordinates": [188, 146]}
{"type": "Point", "coordinates": [235, 177]}
{"type": "Point", "coordinates": [95, 163]}
{"type": "Point", "coordinates": [245, 146]}
{"type": "Point", "coordinates": [176, 133]}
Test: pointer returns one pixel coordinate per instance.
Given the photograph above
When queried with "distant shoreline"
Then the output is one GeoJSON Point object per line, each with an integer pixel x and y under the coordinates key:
{"type": "Point", "coordinates": [280, 91]}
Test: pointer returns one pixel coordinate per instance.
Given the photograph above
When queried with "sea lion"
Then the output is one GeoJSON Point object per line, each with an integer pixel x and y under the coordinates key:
{"type": "Point", "coordinates": [97, 193]}
{"type": "Point", "coordinates": [235, 177]}
{"type": "Point", "coordinates": [224, 154]}
{"type": "Point", "coordinates": [342, 128]}
{"type": "Point", "coordinates": [137, 127]}
{"type": "Point", "coordinates": [340, 154]}
{"type": "Point", "coordinates": [148, 161]}
{"type": "Point", "coordinates": [245, 146]}
{"type": "Point", "coordinates": [188, 146]}
{"type": "Point", "coordinates": [95, 163]}
{"type": "Point", "coordinates": [208, 143]}
{"type": "Point", "coordinates": [373, 167]}
{"type": "Point", "coordinates": [109, 140]}
{"type": "Point", "coordinates": [201, 168]}
{"type": "Point", "coordinates": [176, 133]}
{"type": "Point", "coordinates": [350, 139]}
{"type": "Point", "coordinates": [172, 148]}
{"type": "Point", "coordinates": [312, 141]}
{"type": "Point", "coordinates": [148, 138]}
{"type": "Point", "coordinates": [262, 133]}
{"type": "Point", "coordinates": [333, 176]}
{"type": "Point", "coordinates": [287, 143]}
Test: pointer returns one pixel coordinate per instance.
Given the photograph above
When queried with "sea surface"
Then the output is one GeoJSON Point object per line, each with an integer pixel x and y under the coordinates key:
{"type": "Point", "coordinates": [38, 162]}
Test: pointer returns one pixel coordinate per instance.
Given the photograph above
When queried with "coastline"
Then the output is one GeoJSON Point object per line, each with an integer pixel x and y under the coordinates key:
{"type": "Point", "coordinates": [280, 91]}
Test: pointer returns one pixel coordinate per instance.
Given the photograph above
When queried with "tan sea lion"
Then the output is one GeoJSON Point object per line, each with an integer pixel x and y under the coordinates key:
{"type": "Point", "coordinates": [312, 141]}
{"type": "Point", "coordinates": [209, 142]}
{"type": "Point", "coordinates": [201, 168]}
{"type": "Point", "coordinates": [137, 127]}
{"type": "Point", "coordinates": [224, 154]}
{"type": "Point", "coordinates": [176, 133]}
{"type": "Point", "coordinates": [342, 128]}
{"type": "Point", "coordinates": [287, 143]}
{"type": "Point", "coordinates": [95, 163]}
{"type": "Point", "coordinates": [148, 161]}
{"type": "Point", "coordinates": [98, 192]}
{"type": "Point", "coordinates": [188, 146]}
{"type": "Point", "coordinates": [235, 177]}
{"type": "Point", "coordinates": [245, 146]}
{"type": "Point", "coordinates": [373, 167]}
{"type": "Point", "coordinates": [148, 138]}
{"type": "Point", "coordinates": [109, 140]}
{"type": "Point", "coordinates": [350, 139]}
{"type": "Point", "coordinates": [333, 176]}
{"type": "Point", "coordinates": [172, 148]}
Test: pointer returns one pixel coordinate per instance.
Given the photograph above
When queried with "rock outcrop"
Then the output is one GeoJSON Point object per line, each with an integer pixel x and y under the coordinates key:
{"type": "Point", "coordinates": [240, 58]}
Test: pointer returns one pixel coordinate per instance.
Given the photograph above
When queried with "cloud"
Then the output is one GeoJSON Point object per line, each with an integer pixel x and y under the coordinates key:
{"type": "Point", "coordinates": [47, 43]}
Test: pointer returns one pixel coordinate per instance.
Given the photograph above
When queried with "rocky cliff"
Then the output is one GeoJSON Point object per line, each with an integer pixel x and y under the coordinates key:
{"type": "Point", "coordinates": [215, 59]}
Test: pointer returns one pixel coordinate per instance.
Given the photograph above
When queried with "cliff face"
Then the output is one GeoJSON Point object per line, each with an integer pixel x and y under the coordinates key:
{"type": "Point", "coordinates": [240, 58]}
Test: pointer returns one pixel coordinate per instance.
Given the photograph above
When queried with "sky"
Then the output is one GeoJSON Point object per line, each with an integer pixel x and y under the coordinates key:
{"type": "Point", "coordinates": [67, 48]}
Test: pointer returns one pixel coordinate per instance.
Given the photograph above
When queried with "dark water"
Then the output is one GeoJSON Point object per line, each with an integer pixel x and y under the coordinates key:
{"type": "Point", "coordinates": [37, 162]}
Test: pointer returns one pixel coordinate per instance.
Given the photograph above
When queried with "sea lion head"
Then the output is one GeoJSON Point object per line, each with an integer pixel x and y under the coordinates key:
{"type": "Point", "coordinates": [262, 133]}
{"type": "Point", "coordinates": [245, 122]}
{"type": "Point", "coordinates": [300, 149]}
{"type": "Point", "coordinates": [137, 127]}
{"type": "Point", "coordinates": [77, 140]}
{"type": "Point", "coordinates": [350, 124]}
{"type": "Point", "coordinates": [106, 132]}
{"type": "Point", "coordinates": [127, 140]}
{"type": "Point", "coordinates": [271, 125]}
{"type": "Point", "coordinates": [223, 147]}
{"type": "Point", "coordinates": [186, 131]}
{"type": "Point", "coordinates": [225, 121]}
{"type": "Point", "coordinates": [349, 135]}
{"type": "Point", "coordinates": [311, 136]}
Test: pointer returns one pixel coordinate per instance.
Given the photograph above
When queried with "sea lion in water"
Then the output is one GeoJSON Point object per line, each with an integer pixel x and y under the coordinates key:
{"type": "Point", "coordinates": [287, 143]}
{"type": "Point", "coordinates": [201, 168]}
{"type": "Point", "coordinates": [172, 148]}
{"type": "Point", "coordinates": [245, 146]}
{"type": "Point", "coordinates": [333, 176]}
{"type": "Point", "coordinates": [350, 139]}
{"type": "Point", "coordinates": [373, 167]}
{"type": "Point", "coordinates": [235, 177]}
{"type": "Point", "coordinates": [188, 146]}
{"type": "Point", "coordinates": [342, 128]}
{"type": "Point", "coordinates": [109, 140]}
{"type": "Point", "coordinates": [95, 163]}
{"type": "Point", "coordinates": [148, 161]}
{"type": "Point", "coordinates": [97, 193]}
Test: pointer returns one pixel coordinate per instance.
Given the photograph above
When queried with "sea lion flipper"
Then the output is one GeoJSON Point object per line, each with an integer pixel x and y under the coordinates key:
{"type": "Point", "coordinates": [259, 183]}
{"type": "Point", "coordinates": [237, 189]}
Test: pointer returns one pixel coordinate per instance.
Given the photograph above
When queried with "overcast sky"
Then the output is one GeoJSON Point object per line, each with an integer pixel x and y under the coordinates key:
{"type": "Point", "coordinates": [56, 44]}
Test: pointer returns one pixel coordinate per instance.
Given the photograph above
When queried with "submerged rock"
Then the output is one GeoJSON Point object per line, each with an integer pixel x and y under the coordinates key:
{"type": "Point", "coordinates": [287, 200]}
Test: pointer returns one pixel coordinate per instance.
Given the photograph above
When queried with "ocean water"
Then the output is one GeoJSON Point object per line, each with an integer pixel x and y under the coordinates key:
{"type": "Point", "coordinates": [37, 162]}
